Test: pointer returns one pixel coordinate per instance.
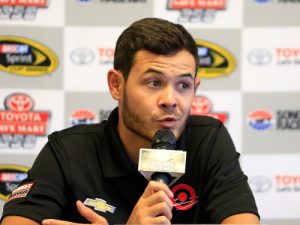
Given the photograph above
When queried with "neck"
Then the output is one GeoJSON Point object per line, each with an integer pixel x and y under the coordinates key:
{"type": "Point", "coordinates": [132, 143]}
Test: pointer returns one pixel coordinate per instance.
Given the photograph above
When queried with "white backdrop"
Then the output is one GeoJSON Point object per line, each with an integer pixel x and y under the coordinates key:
{"type": "Point", "coordinates": [258, 91]}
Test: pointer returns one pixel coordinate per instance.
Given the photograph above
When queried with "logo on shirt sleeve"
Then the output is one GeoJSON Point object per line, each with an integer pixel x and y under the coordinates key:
{"type": "Point", "coordinates": [21, 192]}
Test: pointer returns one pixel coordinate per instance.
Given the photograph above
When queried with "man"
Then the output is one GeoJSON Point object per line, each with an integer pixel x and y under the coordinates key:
{"type": "Point", "coordinates": [154, 81]}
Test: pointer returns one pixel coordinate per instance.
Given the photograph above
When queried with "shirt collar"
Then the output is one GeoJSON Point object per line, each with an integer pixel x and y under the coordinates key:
{"type": "Point", "coordinates": [113, 156]}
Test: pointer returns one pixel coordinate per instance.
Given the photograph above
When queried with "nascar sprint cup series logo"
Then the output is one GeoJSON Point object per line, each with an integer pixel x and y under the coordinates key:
{"type": "Point", "coordinates": [22, 56]}
{"type": "Point", "coordinates": [10, 177]}
{"type": "Point", "coordinates": [19, 124]}
{"type": "Point", "coordinates": [214, 60]}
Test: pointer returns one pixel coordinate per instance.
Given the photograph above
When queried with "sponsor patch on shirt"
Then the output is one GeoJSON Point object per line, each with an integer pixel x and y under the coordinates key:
{"type": "Point", "coordinates": [21, 191]}
{"type": "Point", "coordinates": [99, 205]}
{"type": "Point", "coordinates": [184, 197]}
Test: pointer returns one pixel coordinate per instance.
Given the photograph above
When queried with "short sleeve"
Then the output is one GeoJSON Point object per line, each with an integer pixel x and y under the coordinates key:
{"type": "Point", "coordinates": [227, 189]}
{"type": "Point", "coordinates": [43, 193]}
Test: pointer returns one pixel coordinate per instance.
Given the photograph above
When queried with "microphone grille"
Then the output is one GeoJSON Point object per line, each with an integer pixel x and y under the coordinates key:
{"type": "Point", "coordinates": [164, 139]}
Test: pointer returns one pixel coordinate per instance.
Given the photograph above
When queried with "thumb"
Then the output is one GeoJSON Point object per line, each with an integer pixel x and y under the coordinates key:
{"type": "Point", "coordinates": [90, 215]}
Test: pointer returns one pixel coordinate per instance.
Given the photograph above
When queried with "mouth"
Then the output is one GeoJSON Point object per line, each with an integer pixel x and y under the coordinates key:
{"type": "Point", "coordinates": [168, 122]}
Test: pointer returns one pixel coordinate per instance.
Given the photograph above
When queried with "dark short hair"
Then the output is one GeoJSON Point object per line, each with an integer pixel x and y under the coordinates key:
{"type": "Point", "coordinates": [154, 35]}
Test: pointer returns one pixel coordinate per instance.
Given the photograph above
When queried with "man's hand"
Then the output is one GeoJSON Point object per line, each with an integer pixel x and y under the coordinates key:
{"type": "Point", "coordinates": [154, 206]}
{"type": "Point", "coordinates": [86, 212]}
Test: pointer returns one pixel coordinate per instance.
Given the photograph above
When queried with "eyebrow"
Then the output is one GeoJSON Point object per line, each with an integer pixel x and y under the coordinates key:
{"type": "Point", "coordinates": [189, 75]}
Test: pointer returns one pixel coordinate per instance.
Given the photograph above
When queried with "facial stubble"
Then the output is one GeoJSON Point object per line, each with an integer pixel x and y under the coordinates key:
{"type": "Point", "coordinates": [136, 123]}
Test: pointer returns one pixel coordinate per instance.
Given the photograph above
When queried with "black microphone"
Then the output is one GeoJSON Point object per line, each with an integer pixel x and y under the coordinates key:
{"type": "Point", "coordinates": [163, 139]}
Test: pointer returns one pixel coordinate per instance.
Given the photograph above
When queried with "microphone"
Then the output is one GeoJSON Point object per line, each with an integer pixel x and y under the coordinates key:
{"type": "Point", "coordinates": [162, 162]}
{"type": "Point", "coordinates": [163, 139]}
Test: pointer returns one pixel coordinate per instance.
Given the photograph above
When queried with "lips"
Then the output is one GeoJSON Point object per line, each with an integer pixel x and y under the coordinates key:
{"type": "Point", "coordinates": [168, 122]}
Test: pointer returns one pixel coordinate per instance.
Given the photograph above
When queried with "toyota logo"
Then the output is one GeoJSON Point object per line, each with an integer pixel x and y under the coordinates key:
{"type": "Point", "coordinates": [260, 57]}
{"type": "Point", "coordinates": [82, 56]}
{"type": "Point", "coordinates": [260, 184]}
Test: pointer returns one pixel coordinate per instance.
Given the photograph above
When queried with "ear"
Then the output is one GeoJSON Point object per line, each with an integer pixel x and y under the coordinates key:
{"type": "Point", "coordinates": [197, 83]}
{"type": "Point", "coordinates": [115, 82]}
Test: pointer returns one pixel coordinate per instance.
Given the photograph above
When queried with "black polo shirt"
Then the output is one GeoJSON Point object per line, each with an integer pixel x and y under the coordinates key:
{"type": "Point", "coordinates": [89, 163]}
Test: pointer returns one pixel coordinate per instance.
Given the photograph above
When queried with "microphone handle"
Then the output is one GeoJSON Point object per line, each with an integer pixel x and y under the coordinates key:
{"type": "Point", "coordinates": [161, 177]}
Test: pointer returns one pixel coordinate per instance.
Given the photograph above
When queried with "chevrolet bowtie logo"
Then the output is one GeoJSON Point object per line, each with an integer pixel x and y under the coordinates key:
{"type": "Point", "coordinates": [99, 205]}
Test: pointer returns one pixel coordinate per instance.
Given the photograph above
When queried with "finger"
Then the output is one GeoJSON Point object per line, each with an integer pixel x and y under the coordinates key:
{"type": "Point", "coordinates": [56, 222]}
{"type": "Point", "coordinates": [161, 209]}
{"type": "Point", "coordinates": [159, 197]}
{"type": "Point", "coordinates": [159, 220]}
{"type": "Point", "coordinates": [154, 186]}
{"type": "Point", "coordinates": [89, 214]}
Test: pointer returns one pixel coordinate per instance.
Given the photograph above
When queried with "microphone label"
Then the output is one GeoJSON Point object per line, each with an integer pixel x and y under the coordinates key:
{"type": "Point", "coordinates": [162, 160]}
{"type": "Point", "coordinates": [161, 166]}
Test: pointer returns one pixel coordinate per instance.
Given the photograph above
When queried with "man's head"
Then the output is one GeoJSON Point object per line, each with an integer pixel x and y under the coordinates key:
{"type": "Point", "coordinates": [154, 80]}
{"type": "Point", "coordinates": [154, 35]}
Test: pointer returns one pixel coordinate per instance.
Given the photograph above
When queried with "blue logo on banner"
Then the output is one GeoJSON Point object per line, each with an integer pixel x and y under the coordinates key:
{"type": "Point", "coordinates": [262, 1]}
{"type": "Point", "coordinates": [260, 124]}
{"type": "Point", "coordinates": [85, 0]}
{"type": "Point", "coordinates": [260, 120]}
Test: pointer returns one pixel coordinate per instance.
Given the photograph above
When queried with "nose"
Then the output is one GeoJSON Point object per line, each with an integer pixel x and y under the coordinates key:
{"type": "Point", "coordinates": [167, 101]}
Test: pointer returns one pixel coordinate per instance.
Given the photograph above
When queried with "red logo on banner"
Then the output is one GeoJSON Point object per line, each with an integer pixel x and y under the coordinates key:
{"type": "Point", "coordinates": [197, 4]}
{"type": "Point", "coordinates": [16, 9]}
{"type": "Point", "coordinates": [202, 106]}
{"type": "Point", "coordinates": [19, 103]}
{"type": "Point", "coordinates": [196, 10]}
{"type": "Point", "coordinates": [82, 116]}
{"type": "Point", "coordinates": [20, 124]}
{"type": "Point", "coordinates": [19, 119]}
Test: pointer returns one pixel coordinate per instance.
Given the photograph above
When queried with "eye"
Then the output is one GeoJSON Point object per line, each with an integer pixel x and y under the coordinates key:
{"type": "Point", "coordinates": [154, 83]}
{"type": "Point", "coordinates": [184, 85]}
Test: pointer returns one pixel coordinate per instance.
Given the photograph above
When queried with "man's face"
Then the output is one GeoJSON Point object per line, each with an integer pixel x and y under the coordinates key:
{"type": "Point", "coordinates": [158, 93]}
